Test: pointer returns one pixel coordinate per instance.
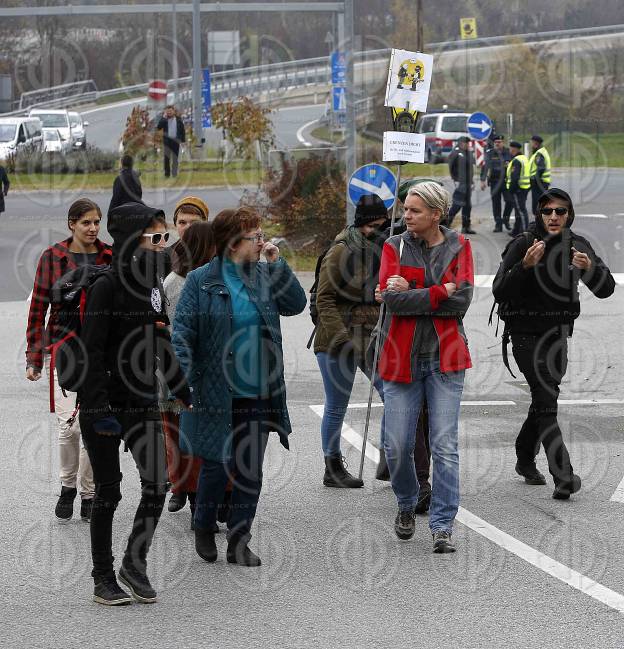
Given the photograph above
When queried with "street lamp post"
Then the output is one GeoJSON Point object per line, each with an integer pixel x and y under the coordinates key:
{"type": "Point", "coordinates": [198, 130]}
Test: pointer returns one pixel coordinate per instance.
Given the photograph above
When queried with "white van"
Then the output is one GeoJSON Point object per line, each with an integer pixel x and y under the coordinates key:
{"type": "Point", "coordinates": [19, 134]}
{"type": "Point", "coordinates": [58, 119]}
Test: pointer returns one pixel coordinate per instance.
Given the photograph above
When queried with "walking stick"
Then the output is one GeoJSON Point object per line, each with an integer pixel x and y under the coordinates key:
{"type": "Point", "coordinates": [378, 328]}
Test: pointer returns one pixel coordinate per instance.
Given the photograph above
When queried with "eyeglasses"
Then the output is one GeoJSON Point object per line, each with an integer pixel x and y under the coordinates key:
{"type": "Point", "coordinates": [559, 211]}
{"type": "Point", "coordinates": [157, 237]}
{"type": "Point", "coordinates": [258, 238]}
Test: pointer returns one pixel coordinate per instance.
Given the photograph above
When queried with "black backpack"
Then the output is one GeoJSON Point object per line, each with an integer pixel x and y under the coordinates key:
{"type": "Point", "coordinates": [505, 307]}
{"type": "Point", "coordinates": [68, 299]}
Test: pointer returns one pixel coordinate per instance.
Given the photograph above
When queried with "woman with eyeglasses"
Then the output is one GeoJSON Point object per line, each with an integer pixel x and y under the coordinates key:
{"type": "Point", "coordinates": [537, 289]}
{"type": "Point", "coordinates": [227, 336]}
{"type": "Point", "coordinates": [126, 340]}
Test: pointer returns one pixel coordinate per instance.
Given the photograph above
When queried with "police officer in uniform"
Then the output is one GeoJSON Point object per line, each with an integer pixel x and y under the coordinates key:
{"type": "Point", "coordinates": [497, 158]}
{"type": "Point", "coordinates": [461, 168]}
{"type": "Point", "coordinates": [539, 170]}
{"type": "Point", "coordinates": [517, 183]}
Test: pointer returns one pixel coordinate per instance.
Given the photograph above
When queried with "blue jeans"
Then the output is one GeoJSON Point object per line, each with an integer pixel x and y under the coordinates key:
{"type": "Point", "coordinates": [338, 372]}
{"type": "Point", "coordinates": [403, 402]}
{"type": "Point", "coordinates": [244, 468]}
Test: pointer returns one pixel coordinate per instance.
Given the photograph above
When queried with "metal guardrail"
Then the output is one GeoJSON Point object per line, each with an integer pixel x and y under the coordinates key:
{"type": "Point", "coordinates": [276, 77]}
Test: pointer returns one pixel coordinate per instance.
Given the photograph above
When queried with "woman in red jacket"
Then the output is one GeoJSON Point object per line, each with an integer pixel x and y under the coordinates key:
{"type": "Point", "coordinates": [81, 248]}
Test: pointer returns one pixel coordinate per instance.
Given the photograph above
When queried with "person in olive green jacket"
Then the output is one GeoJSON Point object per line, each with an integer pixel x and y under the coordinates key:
{"type": "Point", "coordinates": [347, 315]}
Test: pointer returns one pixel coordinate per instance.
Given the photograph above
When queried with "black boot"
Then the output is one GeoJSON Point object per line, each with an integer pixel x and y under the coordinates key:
{"type": "Point", "coordinates": [205, 545]}
{"type": "Point", "coordinates": [177, 502]}
{"type": "Point", "coordinates": [565, 488]}
{"type": "Point", "coordinates": [238, 552]}
{"type": "Point", "coordinates": [336, 475]}
{"type": "Point", "coordinates": [383, 473]}
{"type": "Point", "coordinates": [64, 509]}
{"type": "Point", "coordinates": [424, 499]}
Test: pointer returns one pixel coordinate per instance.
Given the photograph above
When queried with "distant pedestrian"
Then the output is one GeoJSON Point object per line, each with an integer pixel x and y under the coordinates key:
{"type": "Point", "coordinates": [537, 289]}
{"type": "Point", "coordinates": [81, 248]}
{"type": "Point", "coordinates": [347, 315]}
{"type": "Point", "coordinates": [174, 134]}
{"type": "Point", "coordinates": [517, 183]}
{"type": "Point", "coordinates": [126, 341]}
{"type": "Point", "coordinates": [461, 167]}
{"type": "Point", "coordinates": [227, 336]}
{"type": "Point", "coordinates": [493, 171]}
{"type": "Point", "coordinates": [540, 168]}
{"type": "Point", "coordinates": [4, 189]}
{"type": "Point", "coordinates": [127, 186]}
{"type": "Point", "coordinates": [427, 283]}
{"type": "Point", "coordinates": [195, 248]}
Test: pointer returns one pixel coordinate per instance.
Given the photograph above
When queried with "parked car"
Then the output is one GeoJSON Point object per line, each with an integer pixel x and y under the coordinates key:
{"type": "Point", "coordinates": [53, 142]}
{"type": "Point", "coordinates": [441, 129]}
{"type": "Point", "coordinates": [58, 119]}
{"type": "Point", "coordinates": [19, 134]}
{"type": "Point", "coordinates": [78, 130]}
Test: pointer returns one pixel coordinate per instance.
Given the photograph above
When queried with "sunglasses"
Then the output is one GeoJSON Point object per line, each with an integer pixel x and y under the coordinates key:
{"type": "Point", "coordinates": [559, 211]}
{"type": "Point", "coordinates": [157, 237]}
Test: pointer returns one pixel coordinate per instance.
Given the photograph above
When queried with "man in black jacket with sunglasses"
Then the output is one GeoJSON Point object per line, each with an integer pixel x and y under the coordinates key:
{"type": "Point", "coordinates": [537, 289]}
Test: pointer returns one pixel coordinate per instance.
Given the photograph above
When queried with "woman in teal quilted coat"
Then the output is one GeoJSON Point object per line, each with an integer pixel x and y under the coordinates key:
{"type": "Point", "coordinates": [227, 337]}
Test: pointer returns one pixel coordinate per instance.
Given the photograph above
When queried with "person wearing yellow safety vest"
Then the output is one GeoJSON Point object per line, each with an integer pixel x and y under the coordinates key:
{"type": "Point", "coordinates": [539, 170]}
{"type": "Point", "coordinates": [518, 183]}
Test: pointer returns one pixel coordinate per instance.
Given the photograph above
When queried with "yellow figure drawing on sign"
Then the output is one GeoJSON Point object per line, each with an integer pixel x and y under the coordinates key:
{"type": "Point", "coordinates": [411, 73]}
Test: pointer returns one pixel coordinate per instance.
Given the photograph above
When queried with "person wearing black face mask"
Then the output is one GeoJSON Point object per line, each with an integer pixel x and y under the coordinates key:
{"type": "Point", "coordinates": [537, 289]}
{"type": "Point", "coordinates": [126, 339]}
{"type": "Point", "coordinates": [347, 315]}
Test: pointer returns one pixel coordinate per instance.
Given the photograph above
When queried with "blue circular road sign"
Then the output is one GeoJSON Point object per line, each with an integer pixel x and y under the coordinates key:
{"type": "Point", "coordinates": [373, 179]}
{"type": "Point", "coordinates": [479, 126]}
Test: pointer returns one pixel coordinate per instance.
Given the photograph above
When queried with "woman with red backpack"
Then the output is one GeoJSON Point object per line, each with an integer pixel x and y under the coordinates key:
{"type": "Point", "coordinates": [81, 248]}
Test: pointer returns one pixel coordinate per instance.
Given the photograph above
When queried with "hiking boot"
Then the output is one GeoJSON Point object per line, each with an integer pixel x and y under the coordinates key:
{"type": "Point", "coordinates": [405, 524]}
{"type": "Point", "coordinates": [238, 552]}
{"type": "Point", "coordinates": [442, 542]}
{"type": "Point", "coordinates": [107, 591]}
{"type": "Point", "coordinates": [86, 504]}
{"type": "Point", "coordinates": [205, 545]}
{"type": "Point", "coordinates": [565, 488]}
{"type": "Point", "coordinates": [177, 502]}
{"type": "Point", "coordinates": [424, 499]}
{"type": "Point", "coordinates": [530, 474]}
{"type": "Point", "coordinates": [138, 583]}
{"type": "Point", "coordinates": [64, 509]}
{"type": "Point", "coordinates": [382, 473]}
{"type": "Point", "coordinates": [336, 474]}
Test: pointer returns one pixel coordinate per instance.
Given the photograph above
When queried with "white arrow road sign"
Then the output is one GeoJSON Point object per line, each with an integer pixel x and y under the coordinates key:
{"type": "Point", "coordinates": [384, 192]}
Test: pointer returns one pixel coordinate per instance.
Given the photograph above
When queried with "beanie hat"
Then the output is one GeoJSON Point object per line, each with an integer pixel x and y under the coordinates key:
{"type": "Point", "coordinates": [369, 208]}
{"type": "Point", "coordinates": [195, 202]}
{"type": "Point", "coordinates": [406, 185]}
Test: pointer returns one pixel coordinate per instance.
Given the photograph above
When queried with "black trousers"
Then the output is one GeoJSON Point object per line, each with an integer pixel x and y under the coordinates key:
{"type": "Point", "coordinates": [143, 436]}
{"type": "Point", "coordinates": [462, 200]}
{"type": "Point", "coordinates": [538, 187]}
{"type": "Point", "coordinates": [519, 199]}
{"type": "Point", "coordinates": [172, 151]}
{"type": "Point", "coordinates": [543, 360]}
{"type": "Point", "coordinates": [498, 194]}
{"type": "Point", "coordinates": [251, 422]}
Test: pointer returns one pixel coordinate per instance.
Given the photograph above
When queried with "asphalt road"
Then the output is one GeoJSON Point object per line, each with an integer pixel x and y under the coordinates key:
{"type": "Point", "coordinates": [107, 123]}
{"type": "Point", "coordinates": [334, 572]}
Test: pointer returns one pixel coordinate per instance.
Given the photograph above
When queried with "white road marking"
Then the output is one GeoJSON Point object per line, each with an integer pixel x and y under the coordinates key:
{"type": "Point", "coordinates": [593, 216]}
{"type": "Point", "coordinates": [485, 281]}
{"type": "Point", "coordinates": [538, 559]}
{"type": "Point", "coordinates": [618, 494]}
{"type": "Point", "coordinates": [377, 404]}
{"type": "Point", "coordinates": [302, 129]}
{"type": "Point", "coordinates": [589, 402]}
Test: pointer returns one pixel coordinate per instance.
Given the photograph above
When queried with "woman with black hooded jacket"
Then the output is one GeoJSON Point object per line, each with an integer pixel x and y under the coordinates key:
{"type": "Point", "coordinates": [126, 338]}
{"type": "Point", "coordinates": [537, 288]}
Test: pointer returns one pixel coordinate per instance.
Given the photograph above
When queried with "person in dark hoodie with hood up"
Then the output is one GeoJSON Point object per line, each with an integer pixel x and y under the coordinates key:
{"type": "Point", "coordinates": [127, 186]}
{"type": "Point", "coordinates": [125, 334]}
{"type": "Point", "coordinates": [537, 289]}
